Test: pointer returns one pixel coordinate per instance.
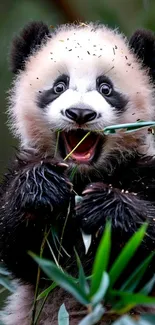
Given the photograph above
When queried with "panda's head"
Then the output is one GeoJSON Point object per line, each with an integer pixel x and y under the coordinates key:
{"type": "Point", "coordinates": [81, 78]}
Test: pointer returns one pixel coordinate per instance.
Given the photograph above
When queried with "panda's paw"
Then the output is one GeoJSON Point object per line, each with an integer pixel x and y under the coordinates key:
{"type": "Point", "coordinates": [91, 209]}
{"type": "Point", "coordinates": [126, 210]}
{"type": "Point", "coordinates": [56, 186]}
{"type": "Point", "coordinates": [42, 185]}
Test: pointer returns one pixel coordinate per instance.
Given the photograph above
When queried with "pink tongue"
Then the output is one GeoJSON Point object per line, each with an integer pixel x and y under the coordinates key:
{"type": "Point", "coordinates": [83, 156]}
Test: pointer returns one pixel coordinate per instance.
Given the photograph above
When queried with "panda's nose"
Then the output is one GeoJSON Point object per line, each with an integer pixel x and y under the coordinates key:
{"type": "Point", "coordinates": [80, 115]}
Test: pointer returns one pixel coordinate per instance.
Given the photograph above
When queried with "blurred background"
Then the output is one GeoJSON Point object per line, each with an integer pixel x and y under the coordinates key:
{"type": "Point", "coordinates": [14, 14]}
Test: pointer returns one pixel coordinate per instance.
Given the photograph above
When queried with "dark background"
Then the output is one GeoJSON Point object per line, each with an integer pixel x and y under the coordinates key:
{"type": "Point", "coordinates": [14, 14]}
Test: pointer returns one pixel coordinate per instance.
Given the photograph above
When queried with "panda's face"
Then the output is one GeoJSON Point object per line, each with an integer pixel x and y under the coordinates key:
{"type": "Point", "coordinates": [76, 104]}
{"type": "Point", "coordinates": [82, 80]}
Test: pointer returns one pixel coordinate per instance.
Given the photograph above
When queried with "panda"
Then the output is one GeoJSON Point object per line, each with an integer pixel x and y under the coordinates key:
{"type": "Point", "coordinates": [69, 81]}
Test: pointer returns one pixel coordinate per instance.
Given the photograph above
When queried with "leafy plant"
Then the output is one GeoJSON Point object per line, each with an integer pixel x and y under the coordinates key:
{"type": "Point", "coordinates": [5, 281]}
{"type": "Point", "coordinates": [100, 285]}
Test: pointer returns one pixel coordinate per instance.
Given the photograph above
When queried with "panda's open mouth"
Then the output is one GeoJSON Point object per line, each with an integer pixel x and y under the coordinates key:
{"type": "Point", "coordinates": [87, 149]}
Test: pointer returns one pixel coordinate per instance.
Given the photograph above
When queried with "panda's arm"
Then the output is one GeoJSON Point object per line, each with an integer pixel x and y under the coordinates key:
{"type": "Point", "coordinates": [126, 210]}
{"type": "Point", "coordinates": [32, 199]}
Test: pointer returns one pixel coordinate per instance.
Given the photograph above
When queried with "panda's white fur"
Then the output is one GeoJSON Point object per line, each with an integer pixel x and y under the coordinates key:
{"type": "Point", "coordinates": [20, 305]}
{"type": "Point", "coordinates": [84, 53]}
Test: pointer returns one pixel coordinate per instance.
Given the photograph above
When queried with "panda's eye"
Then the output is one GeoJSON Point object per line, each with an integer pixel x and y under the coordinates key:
{"type": "Point", "coordinates": [59, 88]}
{"type": "Point", "coordinates": [105, 89]}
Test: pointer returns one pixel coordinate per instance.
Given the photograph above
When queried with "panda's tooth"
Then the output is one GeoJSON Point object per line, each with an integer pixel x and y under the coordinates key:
{"type": "Point", "coordinates": [87, 155]}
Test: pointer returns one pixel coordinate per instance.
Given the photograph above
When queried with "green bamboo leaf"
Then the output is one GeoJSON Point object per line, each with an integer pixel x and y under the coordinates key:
{"type": "Point", "coordinates": [62, 279]}
{"type": "Point", "coordinates": [7, 284]}
{"type": "Point", "coordinates": [148, 286]}
{"type": "Point", "coordinates": [82, 278]}
{"type": "Point", "coordinates": [147, 320]}
{"type": "Point", "coordinates": [63, 316]}
{"type": "Point", "coordinates": [135, 278]}
{"type": "Point", "coordinates": [99, 295]}
{"type": "Point", "coordinates": [87, 239]}
{"type": "Point", "coordinates": [101, 259]}
{"type": "Point", "coordinates": [129, 127]}
{"type": "Point", "coordinates": [94, 316]}
{"type": "Point", "coordinates": [73, 172]}
{"type": "Point", "coordinates": [125, 320]}
{"type": "Point", "coordinates": [78, 199]}
{"type": "Point", "coordinates": [46, 291]}
{"type": "Point", "coordinates": [134, 129]}
{"type": "Point", "coordinates": [57, 143]}
{"type": "Point", "coordinates": [129, 300]}
{"type": "Point", "coordinates": [126, 254]}
{"type": "Point", "coordinates": [4, 272]}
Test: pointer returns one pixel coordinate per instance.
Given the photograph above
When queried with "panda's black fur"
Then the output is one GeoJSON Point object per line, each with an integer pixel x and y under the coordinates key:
{"type": "Point", "coordinates": [22, 46]}
{"type": "Point", "coordinates": [37, 192]}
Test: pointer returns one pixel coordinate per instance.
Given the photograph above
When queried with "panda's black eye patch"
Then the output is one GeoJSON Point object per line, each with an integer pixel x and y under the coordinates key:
{"type": "Point", "coordinates": [46, 97]}
{"type": "Point", "coordinates": [116, 99]}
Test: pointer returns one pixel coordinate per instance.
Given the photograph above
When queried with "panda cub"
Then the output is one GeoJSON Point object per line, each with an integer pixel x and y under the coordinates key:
{"type": "Point", "coordinates": [68, 81]}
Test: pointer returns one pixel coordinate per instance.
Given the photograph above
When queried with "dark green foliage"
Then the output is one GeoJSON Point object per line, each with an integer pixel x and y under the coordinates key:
{"type": "Point", "coordinates": [100, 285]}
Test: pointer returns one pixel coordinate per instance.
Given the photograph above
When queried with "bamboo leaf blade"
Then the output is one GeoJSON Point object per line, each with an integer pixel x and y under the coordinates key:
{"type": "Point", "coordinates": [126, 254]}
{"type": "Point", "coordinates": [101, 259]}
{"type": "Point", "coordinates": [62, 279]}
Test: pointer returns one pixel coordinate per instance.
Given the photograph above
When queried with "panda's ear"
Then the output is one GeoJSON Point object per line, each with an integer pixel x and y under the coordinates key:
{"type": "Point", "coordinates": [22, 46]}
{"type": "Point", "coordinates": [142, 43]}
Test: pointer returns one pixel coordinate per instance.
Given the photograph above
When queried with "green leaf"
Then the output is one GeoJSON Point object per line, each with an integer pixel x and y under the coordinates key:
{"type": "Point", "coordinates": [101, 259]}
{"type": "Point", "coordinates": [125, 320]}
{"type": "Point", "coordinates": [135, 278]}
{"type": "Point", "coordinates": [7, 284]}
{"type": "Point", "coordinates": [147, 320]}
{"type": "Point", "coordinates": [73, 172]}
{"type": "Point", "coordinates": [78, 199]}
{"type": "Point", "coordinates": [63, 316]}
{"type": "Point", "coordinates": [148, 286]}
{"type": "Point", "coordinates": [87, 239]}
{"type": "Point", "coordinates": [3, 271]}
{"type": "Point", "coordinates": [62, 278]}
{"type": "Point", "coordinates": [129, 127]}
{"type": "Point", "coordinates": [129, 300]}
{"type": "Point", "coordinates": [46, 291]}
{"type": "Point", "coordinates": [82, 278]}
{"type": "Point", "coordinates": [100, 293]}
{"type": "Point", "coordinates": [94, 316]}
{"type": "Point", "coordinates": [126, 254]}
